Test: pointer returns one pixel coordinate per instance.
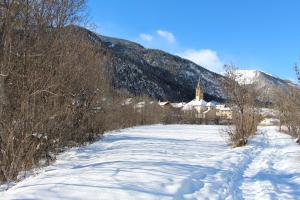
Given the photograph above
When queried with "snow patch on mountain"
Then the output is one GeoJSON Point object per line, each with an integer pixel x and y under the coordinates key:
{"type": "Point", "coordinates": [247, 76]}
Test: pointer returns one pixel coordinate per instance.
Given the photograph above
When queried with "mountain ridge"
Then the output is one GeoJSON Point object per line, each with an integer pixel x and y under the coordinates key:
{"type": "Point", "coordinates": [164, 76]}
{"type": "Point", "coordinates": [266, 74]}
{"type": "Point", "coordinates": [267, 84]}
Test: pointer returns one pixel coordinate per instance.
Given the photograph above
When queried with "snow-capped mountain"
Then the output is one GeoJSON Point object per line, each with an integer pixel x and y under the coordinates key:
{"type": "Point", "coordinates": [252, 76]}
{"type": "Point", "coordinates": [154, 72]}
{"type": "Point", "coordinates": [264, 82]}
{"type": "Point", "coordinates": [248, 76]}
{"type": "Point", "coordinates": [164, 76]}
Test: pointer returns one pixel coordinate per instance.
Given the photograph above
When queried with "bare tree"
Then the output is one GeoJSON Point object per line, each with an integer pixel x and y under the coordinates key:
{"type": "Point", "coordinates": [51, 76]}
{"type": "Point", "coordinates": [242, 100]}
{"type": "Point", "coordinates": [288, 105]}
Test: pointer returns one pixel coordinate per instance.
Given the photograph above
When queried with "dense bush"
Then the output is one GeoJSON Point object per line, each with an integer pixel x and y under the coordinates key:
{"type": "Point", "coordinates": [53, 83]}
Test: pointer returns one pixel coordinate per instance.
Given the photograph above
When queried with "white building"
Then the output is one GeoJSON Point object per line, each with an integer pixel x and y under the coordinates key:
{"type": "Point", "coordinates": [206, 110]}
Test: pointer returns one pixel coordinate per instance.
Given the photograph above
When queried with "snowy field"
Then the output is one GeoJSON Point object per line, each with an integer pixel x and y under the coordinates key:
{"type": "Point", "coordinates": [170, 162]}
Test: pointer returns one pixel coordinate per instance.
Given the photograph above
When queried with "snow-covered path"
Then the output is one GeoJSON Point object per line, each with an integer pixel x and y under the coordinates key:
{"type": "Point", "coordinates": [170, 162]}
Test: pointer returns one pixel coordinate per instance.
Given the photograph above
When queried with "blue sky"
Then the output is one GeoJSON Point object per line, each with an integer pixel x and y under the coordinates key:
{"type": "Point", "coordinates": [252, 34]}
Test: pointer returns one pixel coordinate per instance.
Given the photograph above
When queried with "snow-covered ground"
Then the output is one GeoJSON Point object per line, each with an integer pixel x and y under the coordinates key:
{"type": "Point", "coordinates": [170, 162]}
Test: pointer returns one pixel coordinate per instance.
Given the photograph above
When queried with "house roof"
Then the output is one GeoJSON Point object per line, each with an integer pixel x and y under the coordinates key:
{"type": "Point", "coordinates": [225, 109]}
{"type": "Point", "coordinates": [194, 103]}
{"type": "Point", "coordinates": [163, 103]}
{"type": "Point", "coordinates": [210, 104]}
{"type": "Point", "coordinates": [178, 105]}
{"type": "Point", "coordinates": [127, 102]}
{"type": "Point", "coordinates": [140, 104]}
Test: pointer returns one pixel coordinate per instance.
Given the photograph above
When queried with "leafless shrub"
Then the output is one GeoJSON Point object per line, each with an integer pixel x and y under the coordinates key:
{"type": "Point", "coordinates": [288, 105]}
{"type": "Point", "coordinates": [243, 100]}
{"type": "Point", "coordinates": [50, 79]}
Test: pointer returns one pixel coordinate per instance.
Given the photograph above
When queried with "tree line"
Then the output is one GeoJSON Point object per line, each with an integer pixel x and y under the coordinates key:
{"type": "Point", "coordinates": [55, 85]}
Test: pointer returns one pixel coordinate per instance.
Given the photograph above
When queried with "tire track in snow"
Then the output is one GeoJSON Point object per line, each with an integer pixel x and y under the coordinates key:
{"type": "Point", "coordinates": [254, 167]}
{"type": "Point", "coordinates": [237, 179]}
{"type": "Point", "coordinates": [261, 179]}
{"type": "Point", "coordinates": [229, 168]}
{"type": "Point", "coordinates": [190, 185]}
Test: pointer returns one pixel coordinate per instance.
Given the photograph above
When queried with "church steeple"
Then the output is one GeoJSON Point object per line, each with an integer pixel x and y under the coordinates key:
{"type": "Point", "coordinates": [199, 91]}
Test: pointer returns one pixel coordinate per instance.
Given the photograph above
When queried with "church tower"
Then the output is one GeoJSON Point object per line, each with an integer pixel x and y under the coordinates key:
{"type": "Point", "coordinates": [199, 91]}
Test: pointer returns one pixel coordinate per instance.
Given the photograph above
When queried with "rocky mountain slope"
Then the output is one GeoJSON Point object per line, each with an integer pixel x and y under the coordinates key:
{"type": "Point", "coordinates": [164, 76]}
{"type": "Point", "coordinates": [264, 82]}
{"type": "Point", "coordinates": [156, 73]}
